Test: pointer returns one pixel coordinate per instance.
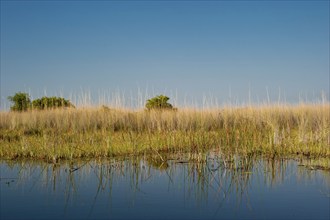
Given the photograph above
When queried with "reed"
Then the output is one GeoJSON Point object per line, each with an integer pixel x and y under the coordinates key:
{"type": "Point", "coordinates": [272, 130]}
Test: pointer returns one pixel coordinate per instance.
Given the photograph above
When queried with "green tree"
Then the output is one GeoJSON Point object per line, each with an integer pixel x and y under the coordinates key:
{"type": "Point", "coordinates": [158, 102]}
{"type": "Point", "coordinates": [50, 102]}
{"type": "Point", "coordinates": [21, 102]}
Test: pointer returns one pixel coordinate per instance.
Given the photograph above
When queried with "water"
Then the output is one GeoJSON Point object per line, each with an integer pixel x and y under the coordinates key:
{"type": "Point", "coordinates": [144, 188]}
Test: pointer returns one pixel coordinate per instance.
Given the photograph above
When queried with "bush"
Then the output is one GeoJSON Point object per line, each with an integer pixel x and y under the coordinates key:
{"type": "Point", "coordinates": [50, 102]}
{"type": "Point", "coordinates": [158, 102]}
{"type": "Point", "coordinates": [21, 102]}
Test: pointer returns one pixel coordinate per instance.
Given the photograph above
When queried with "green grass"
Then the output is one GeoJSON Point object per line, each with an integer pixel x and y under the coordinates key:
{"type": "Point", "coordinates": [273, 131]}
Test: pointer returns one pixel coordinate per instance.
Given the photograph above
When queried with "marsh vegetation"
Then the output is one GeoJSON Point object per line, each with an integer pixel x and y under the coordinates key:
{"type": "Point", "coordinates": [273, 131]}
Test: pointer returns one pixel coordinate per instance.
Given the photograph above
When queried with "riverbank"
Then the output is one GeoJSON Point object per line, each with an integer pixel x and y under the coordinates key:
{"type": "Point", "coordinates": [279, 130]}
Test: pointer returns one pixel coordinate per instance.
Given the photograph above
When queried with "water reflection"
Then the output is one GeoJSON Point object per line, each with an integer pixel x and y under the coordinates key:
{"type": "Point", "coordinates": [171, 186]}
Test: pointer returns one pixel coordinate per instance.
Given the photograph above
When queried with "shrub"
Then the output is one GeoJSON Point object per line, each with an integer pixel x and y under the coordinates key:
{"type": "Point", "coordinates": [158, 102]}
{"type": "Point", "coordinates": [50, 102]}
{"type": "Point", "coordinates": [21, 102]}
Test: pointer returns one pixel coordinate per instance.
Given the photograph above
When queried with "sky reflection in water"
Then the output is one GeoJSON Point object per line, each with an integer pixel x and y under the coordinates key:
{"type": "Point", "coordinates": [143, 188]}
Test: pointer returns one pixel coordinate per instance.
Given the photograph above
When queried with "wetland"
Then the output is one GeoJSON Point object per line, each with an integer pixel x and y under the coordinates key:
{"type": "Point", "coordinates": [261, 162]}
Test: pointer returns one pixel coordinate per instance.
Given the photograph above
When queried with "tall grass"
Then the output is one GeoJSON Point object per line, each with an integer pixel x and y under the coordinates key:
{"type": "Point", "coordinates": [273, 130]}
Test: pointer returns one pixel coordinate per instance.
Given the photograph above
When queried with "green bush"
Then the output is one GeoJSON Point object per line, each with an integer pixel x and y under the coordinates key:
{"type": "Point", "coordinates": [158, 102]}
{"type": "Point", "coordinates": [50, 103]}
{"type": "Point", "coordinates": [21, 102]}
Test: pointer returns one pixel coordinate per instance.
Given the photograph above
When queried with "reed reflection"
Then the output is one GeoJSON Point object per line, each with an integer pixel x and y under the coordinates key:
{"type": "Point", "coordinates": [200, 179]}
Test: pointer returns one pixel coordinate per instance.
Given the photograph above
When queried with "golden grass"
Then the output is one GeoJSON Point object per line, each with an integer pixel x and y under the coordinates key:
{"type": "Point", "coordinates": [281, 130]}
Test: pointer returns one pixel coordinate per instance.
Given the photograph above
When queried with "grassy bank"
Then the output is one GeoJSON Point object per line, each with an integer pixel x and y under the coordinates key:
{"type": "Point", "coordinates": [302, 130]}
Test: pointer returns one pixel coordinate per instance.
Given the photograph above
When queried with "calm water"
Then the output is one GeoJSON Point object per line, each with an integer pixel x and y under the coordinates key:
{"type": "Point", "coordinates": [151, 189]}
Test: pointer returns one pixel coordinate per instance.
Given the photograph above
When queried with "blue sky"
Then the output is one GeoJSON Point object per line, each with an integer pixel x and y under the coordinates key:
{"type": "Point", "coordinates": [230, 51]}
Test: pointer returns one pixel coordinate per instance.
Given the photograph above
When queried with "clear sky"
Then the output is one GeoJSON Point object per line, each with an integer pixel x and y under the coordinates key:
{"type": "Point", "coordinates": [228, 50]}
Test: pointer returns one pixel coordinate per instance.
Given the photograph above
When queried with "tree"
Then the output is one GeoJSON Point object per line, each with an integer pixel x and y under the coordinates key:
{"type": "Point", "coordinates": [158, 102]}
{"type": "Point", "coordinates": [50, 103]}
{"type": "Point", "coordinates": [21, 102]}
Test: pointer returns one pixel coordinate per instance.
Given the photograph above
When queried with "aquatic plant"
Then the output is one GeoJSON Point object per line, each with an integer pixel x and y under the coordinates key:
{"type": "Point", "coordinates": [273, 131]}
